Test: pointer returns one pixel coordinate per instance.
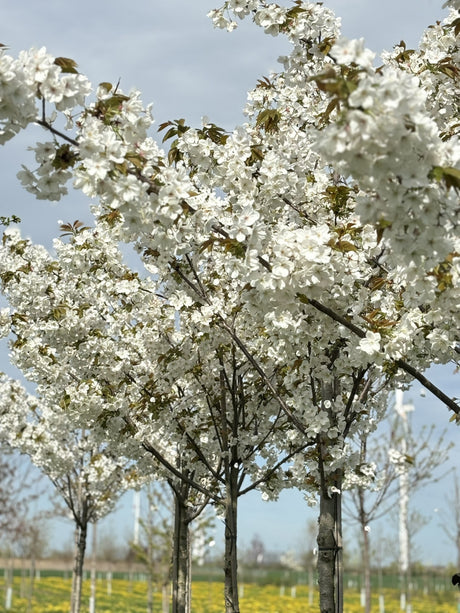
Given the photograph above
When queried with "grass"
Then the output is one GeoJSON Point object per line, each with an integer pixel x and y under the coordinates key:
{"type": "Point", "coordinates": [51, 595]}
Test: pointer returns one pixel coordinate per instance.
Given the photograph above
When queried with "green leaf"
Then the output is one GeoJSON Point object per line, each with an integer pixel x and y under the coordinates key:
{"type": "Point", "coordinates": [214, 133]}
{"type": "Point", "coordinates": [65, 401]}
{"type": "Point", "coordinates": [456, 25]}
{"type": "Point", "coordinates": [72, 229]}
{"type": "Point", "coordinates": [59, 312]}
{"type": "Point", "coordinates": [268, 120]}
{"type": "Point", "coordinates": [448, 175]}
{"type": "Point", "coordinates": [66, 64]}
{"type": "Point", "coordinates": [178, 127]}
{"type": "Point", "coordinates": [174, 154]}
{"type": "Point", "coordinates": [333, 104]}
{"type": "Point", "coordinates": [264, 83]}
{"type": "Point", "coordinates": [64, 158]}
{"type": "Point", "coordinates": [6, 221]}
{"type": "Point", "coordinates": [448, 67]}
{"type": "Point", "coordinates": [303, 299]}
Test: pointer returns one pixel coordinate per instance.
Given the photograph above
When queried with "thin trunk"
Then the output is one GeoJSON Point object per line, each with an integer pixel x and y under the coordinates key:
{"type": "Point", "coordinates": [457, 517]}
{"type": "Point", "coordinates": [92, 599]}
{"type": "Point", "coordinates": [149, 591]}
{"type": "Point", "coordinates": [330, 570]}
{"type": "Point", "coordinates": [366, 571]}
{"type": "Point", "coordinates": [165, 589]}
{"type": "Point", "coordinates": [231, 552]}
{"type": "Point", "coordinates": [22, 589]}
{"type": "Point", "coordinates": [365, 552]}
{"type": "Point", "coordinates": [150, 563]}
{"type": "Point", "coordinates": [330, 574]}
{"type": "Point", "coordinates": [9, 581]}
{"type": "Point", "coordinates": [181, 579]}
{"type": "Point", "coordinates": [77, 573]}
{"type": "Point", "coordinates": [32, 581]}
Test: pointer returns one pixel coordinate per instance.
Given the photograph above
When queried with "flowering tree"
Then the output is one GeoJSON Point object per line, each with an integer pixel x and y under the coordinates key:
{"type": "Point", "coordinates": [154, 548]}
{"type": "Point", "coordinates": [16, 495]}
{"type": "Point", "coordinates": [88, 479]}
{"type": "Point", "coordinates": [109, 354]}
{"type": "Point", "coordinates": [320, 238]}
{"type": "Point", "coordinates": [424, 456]}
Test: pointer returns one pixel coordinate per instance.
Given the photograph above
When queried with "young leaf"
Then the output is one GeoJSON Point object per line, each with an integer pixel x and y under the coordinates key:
{"type": "Point", "coordinates": [66, 64]}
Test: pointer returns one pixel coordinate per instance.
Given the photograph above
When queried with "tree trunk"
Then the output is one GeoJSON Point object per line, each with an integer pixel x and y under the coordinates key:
{"type": "Point", "coordinates": [92, 598]}
{"type": "Point", "coordinates": [366, 571]}
{"type": "Point", "coordinates": [231, 551]}
{"type": "Point", "coordinates": [32, 582]}
{"type": "Point", "coordinates": [9, 576]}
{"type": "Point", "coordinates": [165, 589]}
{"type": "Point", "coordinates": [149, 592]}
{"type": "Point", "coordinates": [365, 552]}
{"type": "Point", "coordinates": [329, 548]}
{"type": "Point", "coordinates": [77, 573]}
{"type": "Point", "coordinates": [150, 576]}
{"type": "Point", "coordinates": [181, 579]}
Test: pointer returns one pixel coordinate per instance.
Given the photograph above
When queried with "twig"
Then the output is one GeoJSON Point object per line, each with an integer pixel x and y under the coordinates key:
{"type": "Point", "coordinates": [449, 402]}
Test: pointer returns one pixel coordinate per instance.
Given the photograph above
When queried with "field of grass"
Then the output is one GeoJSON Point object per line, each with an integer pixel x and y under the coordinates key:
{"type": "Point", "coordinates": [51, 595]}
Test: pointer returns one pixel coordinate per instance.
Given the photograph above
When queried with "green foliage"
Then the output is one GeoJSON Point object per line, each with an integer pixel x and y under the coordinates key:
{"type": "Point", "coordinates": [405, 54]}
{"type": "Point", "coordinates": [66, 64]}
{"type": "Point", "coordinates": [268, 120]}
{"type": "Point", "coordinates": [7, 221]}
{"type": "Point", "coordinates": [448, 175]}
{"type": "Point", "coordinates": [338, 196]}
{"type": "Point", "coordinates": [64, 158]}
{"type": "Point", "coordinates": [72, 229]}
{"type": "Point", "coordinates": [443, 272]}
{"type": "Point", "coordinates": [108, 109]}
{"type": "Point", "coordinates": [255, 157]}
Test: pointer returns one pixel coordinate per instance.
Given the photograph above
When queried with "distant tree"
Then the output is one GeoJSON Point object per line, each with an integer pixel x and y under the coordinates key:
{"type": "Point", "coordinates": [156, 545]}
{"type": "Point", "coordinates": [32, 545]}
{"type": "Point", "coordinates": [20, 485]}
{"type": "Point", "coordinates": [256, 550]}
{"type": "Point", "coordinates": [317, 243]}
{"type": "Point", "coordinates": [109, 548]}
{"type": "Point", "coordinates": [182, 403]}
{"type": "Point", "coordinates": [87, 477]}
{"type": "Point", "coordinates": [451, 516]}
{"type": "Point", "coordinates": [383, 449]}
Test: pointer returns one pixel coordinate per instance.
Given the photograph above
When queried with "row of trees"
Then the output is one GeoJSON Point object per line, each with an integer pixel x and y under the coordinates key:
{"type": "Point", "coordinates": [299, 267]}
{"type": "Point", "coordinates": [153, 529]}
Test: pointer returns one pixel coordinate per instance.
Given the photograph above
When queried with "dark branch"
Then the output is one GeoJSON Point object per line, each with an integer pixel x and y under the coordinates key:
{"type": "Point", "coordinates": [410, 370]}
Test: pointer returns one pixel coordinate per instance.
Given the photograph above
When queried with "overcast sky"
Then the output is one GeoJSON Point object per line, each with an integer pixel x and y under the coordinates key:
{"type": "Point", "coordinates": [169, 50]}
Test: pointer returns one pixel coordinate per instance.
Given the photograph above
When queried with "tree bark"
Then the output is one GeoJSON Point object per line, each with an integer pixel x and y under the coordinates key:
{"type": "Point", "coordinates": [92, 600]}
{"type": "Point", "coordinates": [366, 565]}
{"type": "Point", "coordinates": [32, 581]}
{"type": "Point", "coordinates": [329, 548]}
{"type": "Point", "coordinates": [231, 550]}
{"type": "Point", "coordinates": [77, 573]}
{"type": "Point", "coordinates": [181, 579]}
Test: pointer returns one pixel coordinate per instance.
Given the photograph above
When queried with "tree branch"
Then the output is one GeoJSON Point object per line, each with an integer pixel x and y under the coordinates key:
{"type": "Point", "coordinates": [410, 370]}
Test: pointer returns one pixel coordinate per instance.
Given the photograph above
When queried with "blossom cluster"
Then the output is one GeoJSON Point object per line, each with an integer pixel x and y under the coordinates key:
{"type": "Point", "coordinates": [299, 262]}
{"type": "Point", "coordinates": [35, 73]}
